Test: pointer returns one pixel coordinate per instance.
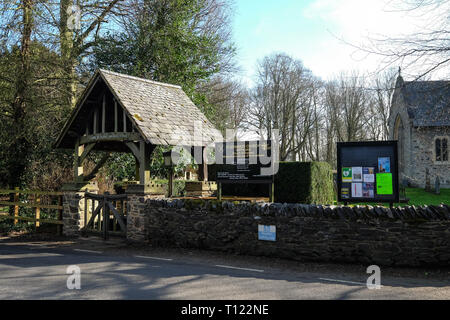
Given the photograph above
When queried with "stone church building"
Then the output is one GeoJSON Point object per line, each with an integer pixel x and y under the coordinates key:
{"type": "Point", "coordinates": [420, 121]}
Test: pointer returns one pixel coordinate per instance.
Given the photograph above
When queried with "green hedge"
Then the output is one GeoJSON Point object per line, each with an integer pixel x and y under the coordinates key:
{"type": "Point", "coordinates": [295, 182]}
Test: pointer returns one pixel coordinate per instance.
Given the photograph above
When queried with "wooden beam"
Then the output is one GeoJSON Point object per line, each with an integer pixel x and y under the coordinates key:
{"type": "Point", "coordinates": [95, 130]}
{"type": "Point", "coordinates": [86, 151]}
{"type": "Point", "coordinates": [104, 114]}
{"type": "Point", "coordinates": [116, 118]}
{"type": "Point", "coordinates": [134, 149]}
{"type": "Point", "coordinates": [97, 167]}
{"type": "Point", "coordinates": [118, 216]}
{"type": "Point", "coordinates": [30, 205]}
{"type": "Point", "coordinates": [37, 210]}
{"type": "Point", "coordinates": [124, 121]}
{"type": "Point", "coordinates": [111, 136]}
{"type": "Point", "coordinates": [78, 167]}
{"type": "Point", "coordinates": [204, 165]}
{"type": "Point", "coordinates": [16, 207]}
{"type": "Point", "coordinates": [144, 162]}
{"type": "Point", "coordinates": [33, 220]}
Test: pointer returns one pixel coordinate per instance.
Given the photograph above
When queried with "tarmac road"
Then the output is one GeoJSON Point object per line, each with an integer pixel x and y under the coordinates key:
{"type": "Point", "coordinates": [39, 271]}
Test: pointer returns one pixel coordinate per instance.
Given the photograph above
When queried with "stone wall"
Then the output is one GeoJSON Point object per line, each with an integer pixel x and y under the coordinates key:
{"type": "Point", "coordinates": [423, 156]}
{"type": "Point", "coordinates": [409, 236]}
{"type": "Point", "coordinates": [137, 218]}
{"type": "Point", "coordinates": [73, 213]}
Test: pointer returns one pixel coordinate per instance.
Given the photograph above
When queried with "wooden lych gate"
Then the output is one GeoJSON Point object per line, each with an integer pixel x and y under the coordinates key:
{"type": "Point", "coordinates": [120, 113]}
{"type": "Point", "coordinates": [105, 214]}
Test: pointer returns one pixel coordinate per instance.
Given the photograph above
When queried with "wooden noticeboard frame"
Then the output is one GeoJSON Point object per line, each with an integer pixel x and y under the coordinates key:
{"type": "Point", "coordinates": [367, 155]}
{"type": "Point", "coordinates": [246, 177]}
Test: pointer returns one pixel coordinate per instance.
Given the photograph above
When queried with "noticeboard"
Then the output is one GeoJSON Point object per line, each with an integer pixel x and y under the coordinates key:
{"type": "Point", "coordinates": [367, 171]}
{"type": "Point", "coordinates": [244, 162]}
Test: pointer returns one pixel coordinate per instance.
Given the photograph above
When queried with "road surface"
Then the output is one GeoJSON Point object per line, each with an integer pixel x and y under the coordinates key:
{"type": "Point", "coordinates": [39, 271]}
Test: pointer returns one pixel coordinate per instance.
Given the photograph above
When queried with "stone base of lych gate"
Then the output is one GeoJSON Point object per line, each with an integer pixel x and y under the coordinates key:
{"type": "Point", "coordinates": [74, 206]}
{"type": "Point", "coordinates": [136, 217]}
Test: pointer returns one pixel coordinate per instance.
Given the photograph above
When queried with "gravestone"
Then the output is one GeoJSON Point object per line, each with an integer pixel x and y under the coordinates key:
{"type": "Point", "coordinates": [437, 186]}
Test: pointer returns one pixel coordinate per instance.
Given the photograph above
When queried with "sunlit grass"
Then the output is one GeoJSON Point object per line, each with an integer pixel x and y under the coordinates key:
{"type": "Point", "coordinates": [419, 197]}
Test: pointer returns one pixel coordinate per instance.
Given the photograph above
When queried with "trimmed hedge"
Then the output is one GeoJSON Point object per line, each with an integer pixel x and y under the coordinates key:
{"type": "Point", "coordinates": [295, 182]}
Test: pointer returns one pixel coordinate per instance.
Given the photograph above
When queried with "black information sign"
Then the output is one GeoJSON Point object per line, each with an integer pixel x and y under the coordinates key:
{"type": "Point", "coordinates": [367, 171]}
{"type": "Point", "coordinates": [244, 162]}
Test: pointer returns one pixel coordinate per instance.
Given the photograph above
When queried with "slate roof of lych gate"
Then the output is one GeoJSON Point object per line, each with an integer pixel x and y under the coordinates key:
{"type": "Point", "coordinates": [428, 102]}
{"type": "Point", "coordinates": [163, 112]}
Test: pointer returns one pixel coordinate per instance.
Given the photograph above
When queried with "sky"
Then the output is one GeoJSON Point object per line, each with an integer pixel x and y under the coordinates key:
{"type": "Point", "coordinates": [311, 30]}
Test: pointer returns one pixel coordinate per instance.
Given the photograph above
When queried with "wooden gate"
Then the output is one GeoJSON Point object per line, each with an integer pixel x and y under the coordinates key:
{"type": "Point", "coordinates": [105, 214]}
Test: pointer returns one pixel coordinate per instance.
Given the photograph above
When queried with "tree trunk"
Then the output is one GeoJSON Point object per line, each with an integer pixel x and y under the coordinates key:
{"type": "Point", "coordinates": [19, 146]}
{"type": "Point", "coordinates": [68, 56]}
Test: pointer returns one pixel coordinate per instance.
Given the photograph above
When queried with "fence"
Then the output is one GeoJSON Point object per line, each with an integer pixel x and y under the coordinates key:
{"type": "Point", "coordinates": [108, 214]}
{"type": "Point", "coordinates": [36, 200]}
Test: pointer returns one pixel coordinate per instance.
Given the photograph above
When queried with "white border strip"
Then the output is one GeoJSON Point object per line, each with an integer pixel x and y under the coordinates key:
{"type": "Point", "coordinates": [343, 281]}
{"type": "Point", "coordinates": [88, 251]}
{"type": "Point", "coordinates": [154, 258]}
{"type": "Point", "coordinates": [237, 268]}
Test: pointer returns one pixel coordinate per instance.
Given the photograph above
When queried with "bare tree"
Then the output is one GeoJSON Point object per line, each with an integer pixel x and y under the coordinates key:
{"type": "Point", "coordinates": [279, 100]}
{"type": "Point", "coordinates": [230, 101]}
{"type": "Point", "coordinates": [421, 53]}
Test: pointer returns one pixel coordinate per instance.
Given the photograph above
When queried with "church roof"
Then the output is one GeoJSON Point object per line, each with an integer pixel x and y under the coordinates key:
{"type": "Point", "coordinates": [427, 102]}
{"type": "Point", "coordinates": [162, 113]}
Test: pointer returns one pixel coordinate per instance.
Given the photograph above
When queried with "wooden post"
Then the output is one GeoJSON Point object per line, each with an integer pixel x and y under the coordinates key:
{"type": "Point", "coordinates": [86, 208]}
{"type": "Point", "coordinates": [144, 163]}
{"type": "Point", "coordinates": [95, 125]}
{"type": "Point", "coordinates": [104, 114]}
{"type": "Point", "coordinates": [219, 191]}
{"type": "Point", "coordinates": [105, 218]}
{"type": "Point", "coordinates": [60, 213]}
{"type": "Point", "coordinates": [92, 212]}
{"type": "Point", "coordinates": [37, 210]}
{"type": "Point", "coordinates": [136, 175]}
{"type": "Point", "coordinates": [16, 206]}
{"type": "Point", "coordinates": [99, 217]}
{"type": "Point", "coordinates": [116, 119]}
{"type": "Point", "coordinates": [271, 192]}
{"type": "Point", "coordinates": [115, 203]}
{"type": "Point", "coordinates": [124, 121]}
{"type": "Point", "coordinates": [78, 166]}
{"type": "Point", "coordinates": [205, 164]}
{"type": "Point", "coordinates": [171, 181]}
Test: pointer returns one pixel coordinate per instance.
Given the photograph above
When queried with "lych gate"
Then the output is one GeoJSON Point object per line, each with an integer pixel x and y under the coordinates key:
{"type": "Point", "coordinates": [121, 113]}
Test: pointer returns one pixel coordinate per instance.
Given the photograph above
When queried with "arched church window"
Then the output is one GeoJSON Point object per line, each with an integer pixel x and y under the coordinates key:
{"type": "Point", "coordinates": [441, 149]}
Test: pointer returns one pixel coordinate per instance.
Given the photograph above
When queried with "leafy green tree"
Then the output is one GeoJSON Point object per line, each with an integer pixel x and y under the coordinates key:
{"type": "Point", "coordinates": [183, 42]}
{"type": "Point", "coordinates": [172, 41]}
{"type": "Point", "coordinates": [26, 141]}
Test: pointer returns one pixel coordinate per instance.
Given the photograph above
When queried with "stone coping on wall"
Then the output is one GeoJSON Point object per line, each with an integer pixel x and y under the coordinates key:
{"type": "Point", "coordinates": [357, 212]}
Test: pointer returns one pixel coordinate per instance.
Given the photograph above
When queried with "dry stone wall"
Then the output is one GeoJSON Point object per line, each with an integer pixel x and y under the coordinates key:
{"type": "Point", "coordinates": [408, 236]}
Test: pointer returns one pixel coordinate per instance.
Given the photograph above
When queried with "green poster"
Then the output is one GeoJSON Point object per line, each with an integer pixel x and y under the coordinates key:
{"type": "Point", "coordinates": [347, 174]}
{"type": "Point", "coordinates": [384, 184]}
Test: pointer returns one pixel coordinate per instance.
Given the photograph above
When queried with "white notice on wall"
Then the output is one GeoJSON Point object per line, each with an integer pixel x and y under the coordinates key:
{"type": "Point", "coordinates": [357, 174]}
{"type": "Point", "coordinates": [356, 190]}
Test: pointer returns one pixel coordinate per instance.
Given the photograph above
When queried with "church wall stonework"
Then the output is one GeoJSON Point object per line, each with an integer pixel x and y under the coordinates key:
{"type": "Point", "coordinates": [400, 111]}
{"type": "Point", "coordinates": [423, 157]}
